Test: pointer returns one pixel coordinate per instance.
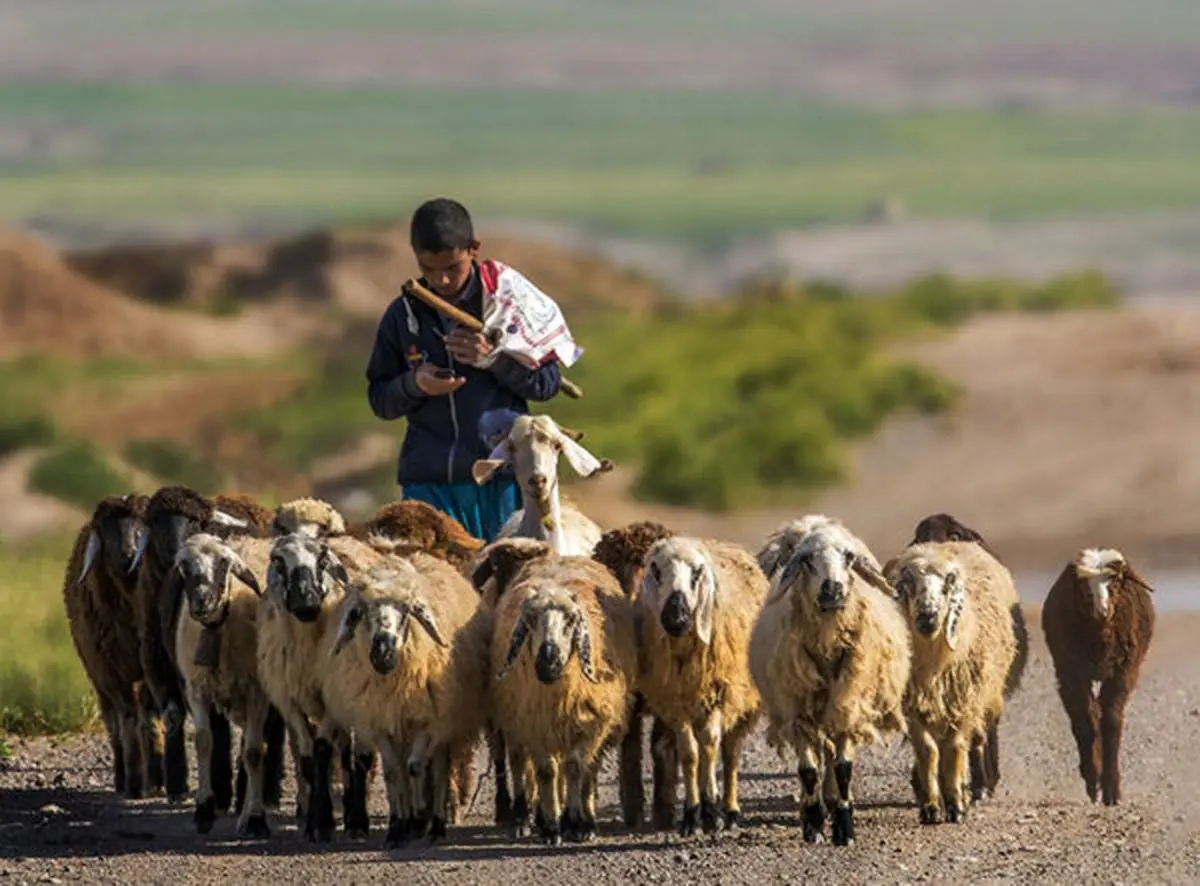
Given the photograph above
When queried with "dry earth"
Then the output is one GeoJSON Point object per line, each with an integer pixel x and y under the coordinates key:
{"type": "Point", "coordinates": [60, 823]}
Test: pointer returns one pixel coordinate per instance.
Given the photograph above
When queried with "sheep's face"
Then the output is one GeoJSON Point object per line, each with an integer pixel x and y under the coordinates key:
{"type": "Point", "coordinates": [303, 572]}
{"type": "Point", "coordinates": [382, 611]}
{"type": "Point", "coordinates": [116, 535]}
{"type": "Point", "coordinates": [781, 544]}
{"type": "Point", "coordinates": [820, 571]}
{"type": "Point", "coordinates": [679, 587]}
{"type": "Point", "coordinates": [554, 624]}
{"type": "Point", "coordinates": [203, 568]}
{"type": "Point", "coordinates": [1096, 570]}
{"type": "Point", "coordinates": [934, 594]}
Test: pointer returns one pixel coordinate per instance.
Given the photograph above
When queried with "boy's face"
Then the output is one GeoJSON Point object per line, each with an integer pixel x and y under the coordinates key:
{"type": "Point", "coordinates": [447, 272]}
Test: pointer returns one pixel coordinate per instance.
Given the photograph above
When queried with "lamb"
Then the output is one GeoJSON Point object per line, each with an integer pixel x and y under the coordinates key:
{"type": "Point", "coordinates": [406, 673]}
{"type": "Point", "coordinates": [563, 665]}
{"type": "Point", "coordinates": [532, 446]}
{"type": "Point", "coordinates": [98, 596]}
{"type": "Point", "coordinates": [1098, 620]}
{"type": "Point", "coordinates": [224, 678]}
{"type": "Point", "coordinates": [830, 656]}
{"type": "Point", "coordinates": [697, 605]}
{"type": "Point", "coordinates": [944, 527]}
{"type": "Point", "coordinates": [623, 552]}
{"type": "Point", "coordinates": [957, 598]}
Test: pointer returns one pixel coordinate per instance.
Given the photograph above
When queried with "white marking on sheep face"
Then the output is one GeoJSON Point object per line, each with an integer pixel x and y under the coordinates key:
{"type": "Point", "coordinates": [680, 588]}
{"type": "Point", "coordinates": [383, 608]}
{"type": "Point", "coordinates": [934, 595]}
{"type": "Point", "coordinates": [820, 570]}
{"type": "Point", "coordinates": [1098, 567]}
{"type": "Point", "coordinates": [556, 627]}
{"type": "Point", "coordinates": [204, 567]}
{"type": "Point", "coordinates": [303, 571]}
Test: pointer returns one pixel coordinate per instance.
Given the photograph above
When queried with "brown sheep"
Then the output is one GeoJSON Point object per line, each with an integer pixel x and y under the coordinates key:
{"type": "Point", "coordinates": [623, 551]}
{"type": "Point", "coordinates": [944, 527]}
{"type": "Point", "coordinates": [1098, 619]}
{"type": "Point", "coordinates": [424, 526]}
{"type": "Point", "coordinates": [98, 595]}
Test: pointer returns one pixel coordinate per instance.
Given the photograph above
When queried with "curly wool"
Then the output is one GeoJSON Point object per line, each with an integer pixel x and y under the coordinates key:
{"type": "Point", "coordinates": [622, 551]}
{"type": "Point", "coordinates": [311, 516]}
{"type": "Point", "coordinates": [422, 525]}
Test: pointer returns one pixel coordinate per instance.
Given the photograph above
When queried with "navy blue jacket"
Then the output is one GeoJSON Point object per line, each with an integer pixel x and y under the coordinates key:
{"type": "Point", "coordinates": [442, 440]}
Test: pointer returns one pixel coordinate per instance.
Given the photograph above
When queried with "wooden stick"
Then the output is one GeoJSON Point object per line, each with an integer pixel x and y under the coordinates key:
{"type": "Point", "coordinates": [414, 288]}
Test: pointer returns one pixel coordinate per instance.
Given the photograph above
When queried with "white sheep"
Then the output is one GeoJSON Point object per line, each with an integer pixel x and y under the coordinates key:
{"type": "Point", "coordinates": [958, 599]}
{"type": "Point", "coordinates": [830, 656]}
{"type": "Point", "coordinates": [777, 548]}
{"type": "Point", "coordinates": [215, 643]}
{"type": "Point", "coordinates": [697, 607]}
{"type": "Point", "coordinates": [532, 447]}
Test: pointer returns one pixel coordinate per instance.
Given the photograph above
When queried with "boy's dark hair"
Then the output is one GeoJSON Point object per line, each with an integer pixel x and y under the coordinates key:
{"type": "Point", "coordinates": [441, 225]}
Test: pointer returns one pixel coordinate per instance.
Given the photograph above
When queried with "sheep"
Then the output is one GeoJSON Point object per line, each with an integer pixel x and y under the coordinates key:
{"type": "Point", "coordinates": [698, 602]}
{"type": "Point", "coordinates": [563, 665]}
{"type": "Point", "coordinates": [777, 548]}
{"type": "Point", "coordinates": [98, 596]}
{"type": "Point", "coordinates": [957, 599]}
{"type": "Point", "coordinates": [414, 694]}
{"type": "Point", "coordinates": [532, 446]}
{"type": "Point", "coordinates": [220, 671]}
{"type": "Point", "coordinates": [1098, 620]}
{"type": "Point", "coordinates": [623, 552]}
{"type": "Point", "coordinates": [944, 527]}
{"type": "Point", "coordinates": [421, 525]}
{"type": "Point", "coordinates": [830, 656]}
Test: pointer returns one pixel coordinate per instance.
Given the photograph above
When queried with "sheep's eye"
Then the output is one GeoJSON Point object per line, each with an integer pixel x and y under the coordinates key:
{"type": "Point", "coordinates": [849, 557]}
{"type": "Point", "coordinates": [656, 572]}
{"type": "Point", "coordinates": [806, 560]}
{"type": "Point", "coordinates": [697, 574]}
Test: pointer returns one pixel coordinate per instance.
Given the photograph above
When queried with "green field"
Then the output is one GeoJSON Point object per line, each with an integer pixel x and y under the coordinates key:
{"type": "Point", "coordinates": [698, 166]}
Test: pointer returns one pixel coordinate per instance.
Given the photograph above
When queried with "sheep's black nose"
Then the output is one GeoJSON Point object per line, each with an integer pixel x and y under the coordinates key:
{"type": "Point", "coordinates": [383, 653]}
{"type": "Point", "coordinates": [676, 617]}
{"type": "Point", "coordinates": [832, 595]}
{"type": "Point", "coordinates": [926, 623]}
{"type": "Point", "coordinates": [549, 663]}
{"type": "Point", "coordinates": [303, 596]}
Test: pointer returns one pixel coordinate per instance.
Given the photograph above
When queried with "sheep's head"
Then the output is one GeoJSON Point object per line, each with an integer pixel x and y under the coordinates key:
{"type": "Point", "coordinates": [554, 624]}
{"type": "Point", "coordinates": [1099, 568]}
{"type": "Point", "coordinates": [932, 588]}
{"type": "Point", "coordinates": [116, 533]}
{"type": "Point", "coordinates": [944, 527]}
{"type": "Point", "coordinates": [381, 608]}
{"type": "Point", "coordinates": [532, 447]}
{"type": "Point", "coordinates": [311, 516]}
{"type": "Point", "coordinates": [680, 587]}
{"type": "Point", "coordinates": [303, 572]}
{"type": "Point", "coordinates": [822, 568]}
{"type": "Point", "coordinates": [174, 513]}
{"type": "Point", "coordinates": [503, 560]}
{"type": "Point", "coordinates": [623, 551]}
{"type": "Point", "coordinates": [203, 568]}
{"type": "Point", "coordinates": [781, 543]}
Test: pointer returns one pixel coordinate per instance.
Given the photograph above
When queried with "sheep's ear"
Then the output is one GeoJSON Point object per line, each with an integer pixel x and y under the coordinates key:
{"type": "Point", "coordinates": [350, 622]}
{"type": "Point", "coordinates": [481, 574]}
{"type": "Point", "coordinates": [1127, 572]}
{"type": "Point", "coordinates": [581, 642]}
{"type": "Point", "coordinates": [333, 567]}
{"type": "Point", "coordinates": [519, 634]}
{"type": "Point", "coordinates": [770, 555]}
{"type": "Point", "coordinates": [785, 575]}
{"type": "Point", "coordinates": [873, 576]}
{"type": "Point", "coordinates": [485, 468]}
{"type": "Point", "coordinates": [424, 616]}
{"type": "Point", "coordinates": [89, 555]}
{"type": "Point", "coordinates": [581, 461]}
{"type": "Point", "coordinates": [505, 559]}
{"type": "Point", "coordinates": [139, 552]}
{"type": "Point", "coordinates": [246, 577]}
{"type": "Point", "coordinates": [956, 600]}
{"type": "Point", "coordinates": [706, 604]}
{"type": "Point", "coordinates": [223, 519]}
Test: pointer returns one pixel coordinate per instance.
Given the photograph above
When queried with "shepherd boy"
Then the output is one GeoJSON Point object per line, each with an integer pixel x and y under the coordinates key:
{"type": "Point", "coordinates": [444, 378]}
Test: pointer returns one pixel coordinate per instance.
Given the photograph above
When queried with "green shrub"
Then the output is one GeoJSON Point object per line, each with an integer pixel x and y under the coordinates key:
{"type": "Point", "coordinates": [23, 431]}
{"type": "Point", "coordinates": [172, 463]}
{"type": "Point", "coordinates": [77, 472]}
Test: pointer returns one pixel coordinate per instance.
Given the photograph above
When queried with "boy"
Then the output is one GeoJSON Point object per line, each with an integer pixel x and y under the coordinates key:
{"type": "Point", "coordinates": [443, 378]}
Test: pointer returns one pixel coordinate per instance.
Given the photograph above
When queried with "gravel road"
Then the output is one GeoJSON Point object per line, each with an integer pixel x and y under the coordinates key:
{"type": "Point", "coordinates": [59, 822]}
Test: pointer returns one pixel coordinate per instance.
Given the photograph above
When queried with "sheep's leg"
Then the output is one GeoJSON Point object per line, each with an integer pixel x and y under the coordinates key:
{"type": "Point", "coordinates": [1084, 714]}
{"type": "Point", "coordinates": [222, 762]}
{"type": "Point", "coordinates": [731, 761]}
{"type": "Point", "coordinates": [547, 782]}
{"type": "Point", "coordinates": [632, 791]}
{"type": "Point", "coordinates": [1113, 698]}
{"type": "Point", "coordinates": [951, 777]}
{"type": "Point", "coordinates": [320, 823]}
{"type": "Point", "coordinates": [591, 775]}
{"type": "Point", "coordinates": [524, 787]}
{"type": "Point", "coordinates": [206, 801]}
{"type": "Point", "coordinates": [812, 810]}
{"type": "Point", "coordinates": [928, 793]}
{"type": "Point", "coordinates": [843, 814]}
{"type": "Point", "coordinates": [130, 753]}
{"type": "Point", "coordinates": [418, 760]}
{"type": "Point", "coordinates": [253, 820]}
{"type": "Point", "coordinates": [462, 778]}
{"type": "Point", "coordinates": [150, 738]}
{"type": "Point", "coordinates": [577, 824]}
{"type": "Point", "coordinates": [689, 756]}
{"type": "Point", "coordinates": [356, 770]}
{"type": "Point", "coordinates": [112, 727]}
{"type": "Point", "coordinates": [666, 774]}
{"type": "Point", "coordinates": [991, 757]}
{"type": "Point", "coordinates": [711, 819]}
{"type": "Point", "coordinates": [275, 733]}
{"type": "Point", "coordinates": [441, 793]}
{"type": "Point", "coordinates": [175, 762]}
{"type": "Point", "coordinates": [829, 792]}
{"type": "Point", "coordinates": [978, 767]}
{"type": "Point", "coordinates": [504, 799]}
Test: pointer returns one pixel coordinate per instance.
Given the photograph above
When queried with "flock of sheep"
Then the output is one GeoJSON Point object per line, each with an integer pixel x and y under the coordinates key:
{"type": "Point", "coordinates": [407, 641]}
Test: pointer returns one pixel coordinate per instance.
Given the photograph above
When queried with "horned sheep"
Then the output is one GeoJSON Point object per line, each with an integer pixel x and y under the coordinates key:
{"type": "Point", "coordinates": [1098, 620]}
{"type": "Point", "coordinates": [830, 655]}
{"type": "Point", "coordinates": [697, 607]}
{"type": "Point", "coordinates": [957, 599]}
{"type": "Point", "coordinates": [98, 596]}
{"type": "Point", "coordinates": [563, 666]}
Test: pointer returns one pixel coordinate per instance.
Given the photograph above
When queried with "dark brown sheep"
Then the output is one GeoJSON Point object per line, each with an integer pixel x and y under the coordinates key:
{"type": "Point", "coordinates": [1098, 619]}
{"type": "Point", "coordinates": [623, 552]}
{"type": "Point", "coordinates": [425, 527]}
{"type": "Point", "coordinates": [944, 527]}
{"type": "Point", "coordinates": [98, 595]}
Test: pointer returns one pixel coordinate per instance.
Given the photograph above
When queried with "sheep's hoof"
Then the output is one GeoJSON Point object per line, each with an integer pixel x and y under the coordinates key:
{"type": "Point", "coordinates": [397, 833]}
{"type": "Point", "coordinates": [691, 818]}
{"type": "Point", "coordinates": [931, 814]}
{"type": "Point", "coordinates": [255, 828]}
{"type": "Point", "coordinates": [357, 833]}
{"type": "Point", "coordinates": [551, 834]}
{"type": "Point", "coordinates": [504, 808]}
{"type": "Point", "coordinates": [417, 825]}
{"type": "Point", "coordinates": [206, 815]}
{"type": "Point", "coordinates": [664, 816]}
{"type": "Point", "coordinates": [711, 818]}
{"type": "Point", "coordinates": [842, 826]}
{"type": "Point", "coordinates": [954, 814]}
{"type": "Point", "coordinates": [176, 798]}
{"type": "Point", "coordinates": [577, 829]}
{"type": "Point", "coordinates": [733, 819]}
{"type": "Point", "coordinates": [437, 829]}
{"type": "Point", "coordinates": [814, 823]}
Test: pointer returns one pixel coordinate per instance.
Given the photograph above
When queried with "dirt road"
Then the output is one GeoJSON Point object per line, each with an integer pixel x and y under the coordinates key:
{"type": "Point", "coordinates": [60, 823]}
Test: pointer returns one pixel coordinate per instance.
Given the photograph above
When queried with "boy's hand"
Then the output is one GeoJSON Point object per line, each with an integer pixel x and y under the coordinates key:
{"type": "Point", "coordinates": [433, 385]}
{"type": "Point", "coordinates": [468, 347]}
